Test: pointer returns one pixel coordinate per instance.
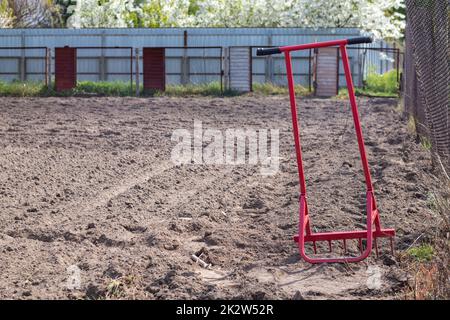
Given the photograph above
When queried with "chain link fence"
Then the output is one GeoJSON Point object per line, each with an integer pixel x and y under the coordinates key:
{"type": "Point", "coordinates": [427, 74]}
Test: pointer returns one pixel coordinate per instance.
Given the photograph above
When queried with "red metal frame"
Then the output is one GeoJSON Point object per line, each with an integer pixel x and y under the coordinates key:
{"type": "Point", "coordinates": [305, 235]}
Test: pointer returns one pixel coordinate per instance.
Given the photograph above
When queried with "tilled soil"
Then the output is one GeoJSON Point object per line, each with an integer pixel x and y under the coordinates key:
{"type": "Point", "coordinates": [88, 190]}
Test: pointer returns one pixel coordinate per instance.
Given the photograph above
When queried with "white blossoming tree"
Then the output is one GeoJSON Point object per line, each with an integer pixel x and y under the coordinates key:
{"type": "Point", "coordinates": [6, 15]}
{"type": "Point", "coordinates": [371, 15]}
{"type": "Point", "coordinates": [163, 13]}
{"type": "Point", "coordinates": [103, 13]}
{"type": "Point", "coordinates": [383, 18]}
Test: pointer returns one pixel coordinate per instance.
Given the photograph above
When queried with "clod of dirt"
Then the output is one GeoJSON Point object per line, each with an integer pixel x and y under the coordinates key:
{"type": "Point", "coordinates": [94, 292]}
{"type": "Point", "coordinates": [151, 240]}
{"type": "Point", "coordinates": [398, 279]}
{"type": "Point", "coordinates": [258, 295]}
{"type": "Point", "coordinates": [298, 296]}
{"type": "Point", "coordinates": [411, 177]}
{"type": "Point", "coordinates": [212, 239]}
{"type": "Point", "coordinates": [103, 239]}
{"type": "Point", "coordinates": [173, 245]}
{"type": "Point", "coordinates": [135, 228]}
{"type": "Point", "coordinates": [112, 272]}
{"type": "Point", "coordinates": [169, 276]}
{"type": "Point", "coordinates": [152, 289]}
{"type": "Point", "coordinates": [174, 227]}
{"type": "Point", "coordinates": [389, 260]}
{"type": "Point", "coordinates": [254, 203]}
{"type": "Point", "coordinates": [26, 293]}
{"type": "Point", "coordinates": [314, 293]}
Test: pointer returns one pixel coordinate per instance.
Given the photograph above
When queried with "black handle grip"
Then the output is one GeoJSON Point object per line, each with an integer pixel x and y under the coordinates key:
{"type": "Point", "coordinates": [267, 51]}
{"type": "Point", "coordinates": [359, 40]}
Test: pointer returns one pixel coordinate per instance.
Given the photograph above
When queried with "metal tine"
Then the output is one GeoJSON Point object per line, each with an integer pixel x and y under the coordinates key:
{"type": "Point", "coordinates": [314, 247]}
{"type": "Point", "coordinates": [345, 246]}
{"type": "Point", "coordinates": [329, 246]}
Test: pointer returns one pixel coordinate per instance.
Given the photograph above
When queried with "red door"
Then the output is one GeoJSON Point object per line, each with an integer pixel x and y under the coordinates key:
{"type": "Point", "coordinates": [154, 69]}
{"type": "Point", "coordinates": [65, 68]}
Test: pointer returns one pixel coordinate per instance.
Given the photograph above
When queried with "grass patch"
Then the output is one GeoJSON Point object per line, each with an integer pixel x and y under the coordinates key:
{"type": "Point", "coordinates": [343, 93]}
{"type": "Point", "coordinates": [22, 89]}
{"type": "Point", "coordinates": [39, 89]}
{"type": "Point", "coordinates": [428, 264]}
{"type": "Point", "coordinates": [422, 253]}
{"type": "Point", "coordinates": [411, 126]}
{"type": "Point", "coordinates": [376, 85]}
{"type": "Point", "coordinates": [382, 83]}
{"type": "Point", "coordinates": [203, 89]}
{"type": "Point", "coordinates": [122, 89]}
{"type": "Point", "coordinates": [103, 88]}
{"type": "Point", "coordinates": [273, 89]}
{"type": "Point", "coordinates": [425, 143]}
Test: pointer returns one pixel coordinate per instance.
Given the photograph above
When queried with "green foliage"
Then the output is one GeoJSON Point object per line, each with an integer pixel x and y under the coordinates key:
{"type": "Point", "coordinates": [22, 89]}
{"type": "Point", "coordinates": [204, 89]}
{"type": "Point", "coordinates": [193, 7]}
{"type": "Point", "coordinates": [4, 7]}
{"type": "Point", "coordinates": [343, 93]}
{"type": "Point", "coordinates": [377, 85]}
{"type": "Point", "coordinates": [116, 88]}
{"type": "Point", "coordinates": [425, 143]}
{"type": "Point", "coordinates": [382, 83]}
{"type": "Point", "coordinates": [155, 17]}
{"type": "Point", "coordinates": [412, 125]}
{"type": "Point", "coordinates": [273, 89]}
{"type": "Point", "coordinates": [134, 20]}
{"type": "Point", "coordinates": [422, 253]}
{"type": "Point", "coordinates": [122, 89]}
{"type": "Point", "coordinates": [6, 14]}
{"type": "Point", "coordinates": [39, 89]}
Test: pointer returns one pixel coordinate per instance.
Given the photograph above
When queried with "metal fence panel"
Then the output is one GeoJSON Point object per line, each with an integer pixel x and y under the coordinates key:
{"type": "Point", "coordinates": [427, 66]}
{"type": "Point", "coordinates": [191, 37]}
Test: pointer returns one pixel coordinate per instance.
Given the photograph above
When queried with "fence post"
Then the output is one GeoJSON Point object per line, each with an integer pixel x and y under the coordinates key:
{"type": "Point", "coordinates": [49, 66]}
{"type": "Point", "coordinates": [102, 60]}
{"type": "Point", "coordinates": [359, 68]}
{"type": "Point", "coordinates": [226, 67]}
{"type": "Point", "coordinates": [184, 61]}
{"type": "Point", "coordinates": [22, 58]}
{"type": "Point", "coordinates": [46, 67]}
{"type": "Point", "coordinates": [136, 61]}
{"type": "Point", "coordinates": [269, 62]}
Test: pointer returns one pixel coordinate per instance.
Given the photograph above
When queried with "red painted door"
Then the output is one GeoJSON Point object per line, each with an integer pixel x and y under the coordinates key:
{"type": "Point", "coordinates": [154, 69]}
{"type": "Point", "coordinates": [65, 68]}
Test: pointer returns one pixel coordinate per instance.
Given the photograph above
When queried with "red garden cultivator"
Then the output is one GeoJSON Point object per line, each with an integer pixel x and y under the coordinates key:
{"type": "Point", "coordinates": [305, 235]}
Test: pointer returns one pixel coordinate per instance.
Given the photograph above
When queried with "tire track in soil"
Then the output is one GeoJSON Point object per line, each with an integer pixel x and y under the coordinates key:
{"type": "Point", "coordinates": [80, 214]}
{"type": "Point", "coordinates": [121, 187]}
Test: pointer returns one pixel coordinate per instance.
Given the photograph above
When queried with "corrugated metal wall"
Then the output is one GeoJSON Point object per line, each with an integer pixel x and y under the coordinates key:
{"type": "Point", "coordinates": [204, 65]}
